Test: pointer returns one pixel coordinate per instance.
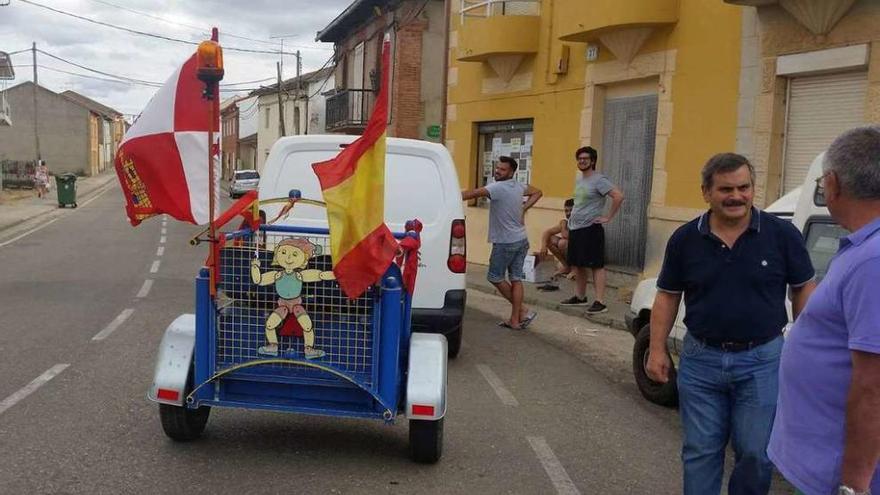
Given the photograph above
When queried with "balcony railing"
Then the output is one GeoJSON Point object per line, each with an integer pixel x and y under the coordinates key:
{"type": "Point", "coordinates": [489, 8]}
{"type": "Point", "coordinates": [349, 109]}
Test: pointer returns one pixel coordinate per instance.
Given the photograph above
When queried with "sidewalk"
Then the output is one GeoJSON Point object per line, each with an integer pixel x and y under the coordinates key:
{"type": "Point", "coordinates": [617, 303]}
{"type": "Point", "coordinates": [17, 206]}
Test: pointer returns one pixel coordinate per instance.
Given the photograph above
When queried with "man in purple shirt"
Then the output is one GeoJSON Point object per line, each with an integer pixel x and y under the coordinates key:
{"type": "Point", "coordinates": [826, 436]}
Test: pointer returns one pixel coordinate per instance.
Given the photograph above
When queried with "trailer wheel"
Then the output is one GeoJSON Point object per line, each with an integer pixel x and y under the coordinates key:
{"type": "Point", "coordinates": [181, 423]}
{"type": "Point", "coordinates": [426, 440]}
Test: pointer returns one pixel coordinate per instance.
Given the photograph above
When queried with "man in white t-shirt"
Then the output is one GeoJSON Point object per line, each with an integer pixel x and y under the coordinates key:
{"type": "Point", "coordinates": [507, 233]}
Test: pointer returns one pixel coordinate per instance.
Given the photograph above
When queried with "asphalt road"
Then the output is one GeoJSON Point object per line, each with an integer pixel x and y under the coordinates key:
{"type": "Point", "coordinates": [524, 416]}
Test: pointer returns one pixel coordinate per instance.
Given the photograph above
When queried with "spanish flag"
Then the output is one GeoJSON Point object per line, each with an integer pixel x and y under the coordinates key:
{"type": "Point", "coordinates": [353, 183]}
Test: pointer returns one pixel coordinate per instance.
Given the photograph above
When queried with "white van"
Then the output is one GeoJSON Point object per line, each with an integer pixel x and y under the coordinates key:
{"type": "Point", "coordinates": [805, 207]}
{"type": "Point", "coordinates": [420, 183]}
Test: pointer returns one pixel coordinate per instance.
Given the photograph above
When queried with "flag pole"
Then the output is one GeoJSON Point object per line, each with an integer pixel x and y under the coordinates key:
{"type": "Point", "coordinates": [210, 71]}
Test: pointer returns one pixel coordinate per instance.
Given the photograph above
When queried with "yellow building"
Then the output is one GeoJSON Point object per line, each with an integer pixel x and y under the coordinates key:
{"type": "Point", "coordinates": [651, 84]}
{"type": "Point", "coordinates": [810, 70]}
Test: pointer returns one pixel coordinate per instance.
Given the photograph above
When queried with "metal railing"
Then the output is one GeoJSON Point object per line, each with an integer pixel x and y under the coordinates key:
{"type": "Point", "coordinates": [349, 108]}
{"type": "Point", "coordinates": [489, 8]}
{"type": "Point", "coordinates": [17, 174]}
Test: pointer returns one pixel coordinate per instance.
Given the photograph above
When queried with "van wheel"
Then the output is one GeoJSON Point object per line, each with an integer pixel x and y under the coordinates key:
{"type": "Point", "coordinates": [664, 394]}
{"type": "Point", "coordinates": [454, 343]}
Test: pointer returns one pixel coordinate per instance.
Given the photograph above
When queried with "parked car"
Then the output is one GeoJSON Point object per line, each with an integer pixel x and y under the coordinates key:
{"type": "Point", "coordinates": [243, 181]}
{"type": "Point", "coordinates": [821, 235]}
{"type": "Point", "coordinates": [420, 182]}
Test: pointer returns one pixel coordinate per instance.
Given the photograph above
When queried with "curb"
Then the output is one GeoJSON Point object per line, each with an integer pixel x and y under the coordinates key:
{"type": "Point", "coordinates": [85, 197]}
{"type": "Point", "coordinates": [607, 319]}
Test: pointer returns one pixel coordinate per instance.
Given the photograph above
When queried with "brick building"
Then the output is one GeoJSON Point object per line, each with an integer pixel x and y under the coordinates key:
{"type": "Point", "coordinates": [417, 30]}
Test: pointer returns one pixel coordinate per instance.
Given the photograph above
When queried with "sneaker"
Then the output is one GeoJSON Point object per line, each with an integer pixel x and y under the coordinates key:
{"type": "Point", "coordinates": [574, 301]}
{"type": "Point", "coordinates": [597, 308]}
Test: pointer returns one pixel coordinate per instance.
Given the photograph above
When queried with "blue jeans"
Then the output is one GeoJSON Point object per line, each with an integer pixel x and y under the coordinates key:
{"type": "Point", "coordinates": [727, 396]}
{"type": "Point", "coordinates": [507, 259]}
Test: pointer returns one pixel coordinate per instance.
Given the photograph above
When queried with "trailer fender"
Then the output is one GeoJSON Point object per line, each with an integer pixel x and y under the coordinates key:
{"type": "Point", "coordinates": [173, 362]}
{"type": "Point", "coordinates": [426, 379]}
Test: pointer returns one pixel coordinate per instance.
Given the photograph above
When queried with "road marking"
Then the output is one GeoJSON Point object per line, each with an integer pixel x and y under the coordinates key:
{"type": "Point", "coordinates": [506, 397]}
{"type": "Point", "coordinates": [164, 230]}
{"type": "Point", "coordinates": [31, 387]}
{"type": "Point", "coordinates": [160, 251]}
{"type": "Point", "coordinates": [162, 240]}
{"type": "Point", "coordinates": [119, 320]}
{"type": "Point", "coordinates": [155, 267]}
{"type": "Point", "coordinates": [145, 289]}
{"type": "Point", "coordinates": [29, 232]}
{"type": "Point", "coordinates": [554, 469]}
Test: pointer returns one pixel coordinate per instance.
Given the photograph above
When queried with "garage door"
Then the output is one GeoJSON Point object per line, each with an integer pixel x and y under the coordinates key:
{"type": "Point", "coordinates": [820, 108]}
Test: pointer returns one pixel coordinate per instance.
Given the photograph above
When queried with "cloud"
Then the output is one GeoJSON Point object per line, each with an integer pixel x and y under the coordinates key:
{"type": "Point", "coordinates": [124, 54]}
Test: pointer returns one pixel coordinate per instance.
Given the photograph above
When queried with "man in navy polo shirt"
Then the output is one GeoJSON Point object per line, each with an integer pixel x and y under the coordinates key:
{"type": "Point", "coordinates": [826, 438]}
{"type": "Point", "coordinates": [733, 265]}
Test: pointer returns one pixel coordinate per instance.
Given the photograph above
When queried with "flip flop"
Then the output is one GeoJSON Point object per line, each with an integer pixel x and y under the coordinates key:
{"type": "Point", "coordinates": [509, 326]}
{"type": "Point", "coordinates": [548, 287]}
{"type": "Point", "coordinates": [528, 319]}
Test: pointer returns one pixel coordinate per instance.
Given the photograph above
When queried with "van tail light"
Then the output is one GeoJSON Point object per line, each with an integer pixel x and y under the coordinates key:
{"type": "Point", "coordinates": [457, 261]}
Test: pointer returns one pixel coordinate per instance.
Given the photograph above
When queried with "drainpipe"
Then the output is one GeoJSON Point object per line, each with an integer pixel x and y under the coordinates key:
{"type": "Point", "coordinates": [550, 76]}
{"type": "Point", "coordinates": [447, 5]}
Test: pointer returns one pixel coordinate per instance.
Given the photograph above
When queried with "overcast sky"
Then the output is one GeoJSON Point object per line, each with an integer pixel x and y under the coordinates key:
{"type": "Point", "coordinates": [150, 59]}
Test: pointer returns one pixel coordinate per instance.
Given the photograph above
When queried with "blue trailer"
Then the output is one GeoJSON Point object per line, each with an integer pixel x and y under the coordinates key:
{"type": "Point", "coordinates": [332, 356]}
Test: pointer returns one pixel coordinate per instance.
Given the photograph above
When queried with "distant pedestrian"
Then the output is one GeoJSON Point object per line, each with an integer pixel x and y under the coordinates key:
{"type": "Point", "coordinates": [733, 265]}
{"type": "Point", "coordinates": [586, 244]}
{"type": "Point", "coordinates": [826, 438]}
{"type": "Point", "coordinates": [41, 178]}
{"type": "Point", "coordinates": [507, 233]}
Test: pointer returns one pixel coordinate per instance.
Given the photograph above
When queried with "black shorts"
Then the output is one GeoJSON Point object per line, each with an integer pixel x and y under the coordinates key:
{"type": "Point", "coordinates": [586, 247]}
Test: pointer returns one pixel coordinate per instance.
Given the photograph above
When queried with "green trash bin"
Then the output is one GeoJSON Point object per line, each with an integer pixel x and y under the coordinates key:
{"type": "Point", "coordinates": [66, 185]}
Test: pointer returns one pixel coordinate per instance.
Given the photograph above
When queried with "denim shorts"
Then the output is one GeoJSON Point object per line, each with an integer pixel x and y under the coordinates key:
{"type": "Point", "coordinates": [507, 259]}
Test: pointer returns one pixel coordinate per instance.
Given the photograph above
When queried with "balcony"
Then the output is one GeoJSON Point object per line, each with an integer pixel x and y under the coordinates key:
{"type": "Point", "coordinates": [586, 21]}
{"type": "Point", "coordinates": [818, 16]}
{"type": "Point", "coordinates": [487, 29]}
{"type": "Point", "coordinates": [348, 110]}
{"type": "Point", "coordinates": [500, 33]}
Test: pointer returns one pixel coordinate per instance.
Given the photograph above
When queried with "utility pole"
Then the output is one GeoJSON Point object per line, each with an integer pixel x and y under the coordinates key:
{"type": "Point", "coordinates": [36, 81]}
{"type": "Point", "coordinates": [298, 92]}
{"type": "Point", "coordinates": [280, 103]}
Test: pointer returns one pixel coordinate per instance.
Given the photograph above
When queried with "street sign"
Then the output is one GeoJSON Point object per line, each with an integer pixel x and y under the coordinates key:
{"type": "Point", "coordinates": [6, 71]}
{"type": "Point", "coordinates": [592, 52]}
{"type": "Point", "coordinates": [433, 131]}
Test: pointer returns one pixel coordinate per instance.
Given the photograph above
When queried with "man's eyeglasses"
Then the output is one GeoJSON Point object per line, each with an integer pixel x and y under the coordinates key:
{"type": "Point", "coordinates": [819, 193]}
{"type": "Point", "coordinates": [820, 181]}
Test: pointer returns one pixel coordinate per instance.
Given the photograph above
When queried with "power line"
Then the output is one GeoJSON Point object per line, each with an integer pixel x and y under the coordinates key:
{"type": "Point", "coordinates": [96, 71]}
{"type": "Point", "coordinates": [158, 36]}
{"type": "Point", "coordinates": [134, 80]}
{"type": "Point", "coordinates": [169, 21]}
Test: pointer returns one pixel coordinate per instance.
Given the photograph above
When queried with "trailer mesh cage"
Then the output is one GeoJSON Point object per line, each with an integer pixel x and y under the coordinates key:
{"type": "Point", "coordinates": [343, 328]}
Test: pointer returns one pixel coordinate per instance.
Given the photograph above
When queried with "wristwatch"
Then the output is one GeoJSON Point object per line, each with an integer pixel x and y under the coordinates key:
{"type": "Point", "coordinates": [845, 490]}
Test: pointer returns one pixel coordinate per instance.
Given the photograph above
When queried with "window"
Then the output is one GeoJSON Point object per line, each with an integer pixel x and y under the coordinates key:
{"type": "Point", "coordinates": [268, 116]}
{"type": "Point", "coordinates": [511, 138]}
{"type": "Point", "coordinates": [822, 239]}
{"type": "Point", "coordinates": [296, 129]}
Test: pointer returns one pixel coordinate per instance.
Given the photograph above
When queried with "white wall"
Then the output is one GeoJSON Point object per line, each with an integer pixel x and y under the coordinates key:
{"type": "Point", "coordinates": [247, 116]}
{"type": "Point", "coordinates": [317, 116]}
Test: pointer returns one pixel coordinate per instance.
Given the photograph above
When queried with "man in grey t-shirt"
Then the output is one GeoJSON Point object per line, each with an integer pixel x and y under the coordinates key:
{"type": "Point", "coordinates": [586, 236]}
{"type": "Point", "coordinates": [507, 233]}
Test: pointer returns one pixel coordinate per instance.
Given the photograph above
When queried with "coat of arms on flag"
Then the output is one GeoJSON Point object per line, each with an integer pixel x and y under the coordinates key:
{"type": "Point", "coordinates": [162, 163]}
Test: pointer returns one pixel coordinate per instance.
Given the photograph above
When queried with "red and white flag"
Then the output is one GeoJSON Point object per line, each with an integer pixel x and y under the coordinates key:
{"type": "Point", "coordinates": [162, 162]}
